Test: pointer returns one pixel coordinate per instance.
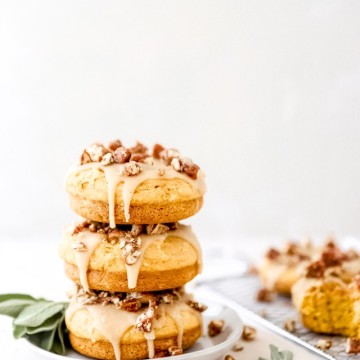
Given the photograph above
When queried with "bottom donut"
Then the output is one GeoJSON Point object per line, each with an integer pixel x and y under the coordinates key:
{"type": "Point", "coordinates": [128, 326]}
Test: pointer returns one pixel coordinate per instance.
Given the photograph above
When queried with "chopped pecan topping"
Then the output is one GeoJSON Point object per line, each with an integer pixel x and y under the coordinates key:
{"type": "Point", "coordinates": [130, 249]}
{"type": "Point", "coordinates": [189, 168]}
{"type": "Point", "coordinates": [168, 154]}
{"type": "Point", "coordinates": [290, 325]}
{"type": "Point", "coordinates": [96, 152]}
{"type": "Point", "coordinates": [122, 155]}
{"type": "Point", "coordinates": [248, 333]}
{"type": "Point", "coordinates": [137, 229]}
{"type": "Point", "coordinates": [142, 158]}
{"type": "Point", "coordinates": [197, 306]}
{"type": "Point", "coordinates": [156, 229]}
{"type": "Point", "coordinates": [174, 350]}
{"type": "Point", "coordinates": [131, 168]}
{"type": "Point", "coordinates": [316, 270]}
{"type": "Point", "coordinates": [139, 148]}
{"type": "Point", "coordinates": [352, 345]}
{"type": "Point", "coordinates": [131, 304]}
{"type": "Point", "coordinates": [161, 172]}
{"type": "Point", "coordinates": [272, 254]}
{"type": "Point", "coordinates": [157, 149]}
{"type": "Point", "coordinates": [85, 158]}
{"type": "Point", "coordinates": [324, 344]}
{"type": "Point", "coordinates": [107, 159]}
{"type": "Point", "coordinates": [265, 295]}
{"type": "Point", "coordinates": [292, 248]}
{"type": "Point", "coordinates": [144, 322]}
{"type": "Point", "coordinates": [115, 144]}
{"type": "Point", "coordinates": [215, 327]}
{"type": "Point", "coordinates": [114, 235]}
{"type": "Point", "coordinates": [79, 246]}
{"type": "Point", "coordinates": [332, 257]}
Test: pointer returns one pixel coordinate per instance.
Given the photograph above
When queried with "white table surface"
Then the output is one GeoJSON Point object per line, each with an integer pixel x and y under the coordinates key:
{"type": "Point", "coordinates": [33, 266]}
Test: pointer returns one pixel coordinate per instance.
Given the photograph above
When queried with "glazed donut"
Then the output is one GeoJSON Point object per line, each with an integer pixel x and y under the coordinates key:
{"type": "Point", "coordinates": [136, 188]}
{"type": "Point", "coordinates": [327, 295]}
{"type": "Point", "coordinates": [104, 330]}
{"type": "Point", "coordinates": [130, 258]}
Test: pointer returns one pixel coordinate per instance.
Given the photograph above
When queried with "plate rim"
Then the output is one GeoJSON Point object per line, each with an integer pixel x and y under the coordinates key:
{"type": "Point", "coordinates": [233, 337]}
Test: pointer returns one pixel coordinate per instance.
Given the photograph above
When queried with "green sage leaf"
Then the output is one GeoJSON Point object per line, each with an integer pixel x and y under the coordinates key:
{"type": "Point", "coordinates": [287, 355]}
{"type": "Point", "coordinates": [36, 314]}
{"type": "Point", "coordinates": [4, 297]}
{"type": "Point", "coordinates": [47, 339]}
{"type": "Point", "coordinates": [19, 331]}
{"type": "Point", "coordinates": [13, 307]}
{"type": "Point", "coordinates": [60, 332]}
{"type": "Point", "coordinates": [47, 325]}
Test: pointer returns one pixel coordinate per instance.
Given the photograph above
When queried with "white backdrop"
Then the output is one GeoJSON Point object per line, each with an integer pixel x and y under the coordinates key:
{"type": "Point", "coordinates": [264, 95]}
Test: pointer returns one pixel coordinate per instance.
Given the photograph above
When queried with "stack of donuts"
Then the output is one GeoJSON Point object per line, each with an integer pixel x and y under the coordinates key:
{"type": "Point", "coordinates": [129, 257]}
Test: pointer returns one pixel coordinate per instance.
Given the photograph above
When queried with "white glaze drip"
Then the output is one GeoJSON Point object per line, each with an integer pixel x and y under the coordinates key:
{"type": "Point", "coordinates": [91, 240]}
{"type": "Point", "coordinates": [82, 258]}
{"type": "Point", "coordinates": [112, 323]}
{"type": "Point", "coordinates": [114, 176]}
{"type": "Point", "coordinates": [150, 337]}
{"type": "Point", "coordinates": [132, 271]}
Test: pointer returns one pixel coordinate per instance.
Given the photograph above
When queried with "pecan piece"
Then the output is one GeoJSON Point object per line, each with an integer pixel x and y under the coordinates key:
{"type": "Point", "coordinates": [197, 306]}
{"type": "Point", "coordinates": [265, 295]}
{"type": "Point", "coordinates": [324, 344]}
{"type": "Point", "coordinates": [131, 305]}
{"type": "Point", "coordinates": [144, 322]}
{"type": "Point", "coordinates": [139, 148]}
{"type": "Point", "coordinates": [157, 149]}
{"type": "Point", "coordinates": [248, 333]}
{"type": "Point", "coordinates": [122, 155]}
{"type": "Point", "coordinates": [272, 254]}
{"type": "Point", "coordinates": [332, 257]}
{"type": "Point", "coordinates": [107, 159]}
{"type": "Point", "coordinates": [131, 168]}
{"type": "Point", "coordinates": [290, 325]}
{"type": "Point", "coordinates": [115, 144]}
{"type": "Point", "coordinates": [215, 327]}
{"type": "Point", "coordinates": [352, 345]}
{"type": "Point", "coordinates": [316, 270]}
{"type": "Point", "coordinates": [85, 158]}
{"type": "Point", "coordinates": [174, 350]}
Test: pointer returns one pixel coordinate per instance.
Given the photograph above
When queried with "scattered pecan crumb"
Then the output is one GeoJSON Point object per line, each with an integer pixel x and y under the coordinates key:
{"type": "Point", "coordinates": [316, 270]}
{"type": "Point", "coordinates": [115, 144]}
{"type": "Point", "coordinates": [174, 350]}
{"type": "Point", "coordinates": [122, 155]}
{"type": "Point", "coordinates": [352, 346]}
{"type": "Point", "coordinates": [265, 295]}
{"type": "Point", "coordinates": [137, 229]}
{"type": "Point", "coordinates": [229, 357]}
{"type": "Point", "coordinates": [142, 158]}
{"type": "Point", "coordinates": [237, 347]}
{"type": "Point", "coordinates": [156, 229]}
{"type": "Point", "coordinates": [161, 172]}
{"type": "Point", "coordinates": [249, 333]}
{"type": "Point", "coordinates": [79, 246]}
{"type": "Point", "coordinates": [272, 254]}
{"type": "Point", "coordinates": [97, 151]}
{"type": "Point", "coordinates": [157, 149]}
{"type": "Point", "coordinates": [215, 327]}
{"type": "Point", "coordinates": [324, 344]}
{"type": "Point", "coordinates": [290, 325]}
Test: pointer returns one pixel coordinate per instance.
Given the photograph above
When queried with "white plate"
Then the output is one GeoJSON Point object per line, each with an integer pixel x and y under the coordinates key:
{"type": "Point", "coordinates": [206, 348]}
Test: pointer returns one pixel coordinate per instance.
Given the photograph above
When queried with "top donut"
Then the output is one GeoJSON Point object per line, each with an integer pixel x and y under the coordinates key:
{"type": "Point", "coordinates": [118, 185]}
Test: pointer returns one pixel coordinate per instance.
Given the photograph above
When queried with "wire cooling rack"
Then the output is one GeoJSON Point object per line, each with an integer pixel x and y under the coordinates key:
{"type": "Point", "coordinates": [243, 290]}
